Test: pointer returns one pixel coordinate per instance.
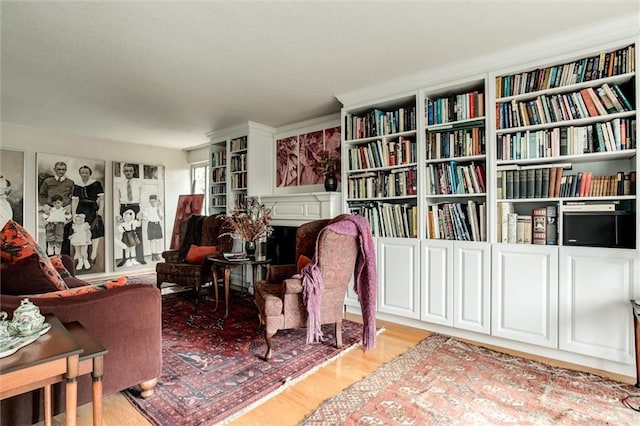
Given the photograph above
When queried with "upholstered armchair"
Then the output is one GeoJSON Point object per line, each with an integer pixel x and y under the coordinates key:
{"type": "Point", "coordinates": [193, 271]}
{"type": "Point", "coordinates": [279, 297]}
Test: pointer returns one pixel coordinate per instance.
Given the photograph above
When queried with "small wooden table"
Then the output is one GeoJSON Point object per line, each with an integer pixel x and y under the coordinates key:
{"type": "Point", "coordinates": [219, 261]}
{"type": "Point", "coordinates": [50, 359]}
{"type": "Point", "coordinates": [91, 361]}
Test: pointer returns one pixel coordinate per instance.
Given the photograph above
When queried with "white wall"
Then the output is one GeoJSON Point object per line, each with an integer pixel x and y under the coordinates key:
{"type": "Point", "coordinates": [32, 140]}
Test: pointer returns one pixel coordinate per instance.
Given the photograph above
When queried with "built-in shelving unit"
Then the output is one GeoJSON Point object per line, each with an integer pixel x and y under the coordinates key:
{"type": "Point", "coordinates": [455, 161]}
{"type": "Point", "coordinates": [380, 162]}
{"type": "Point", "coordinates": [231, 151]}
{"type": "Point", "coordinates": [566, 143]}
{"type": "Point", "coordinates": [538, 150]}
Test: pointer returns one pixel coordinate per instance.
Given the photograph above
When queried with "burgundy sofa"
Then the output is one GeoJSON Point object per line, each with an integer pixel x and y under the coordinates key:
{"type": "Point", "coordinates": [126, 320]}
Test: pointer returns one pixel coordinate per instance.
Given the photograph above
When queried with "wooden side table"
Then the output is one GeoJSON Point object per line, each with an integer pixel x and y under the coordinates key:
{"type": "Point", "coordinates": [91, 361]}
{"type": "Point", "coordinates": [219, 261]}
{"type": "Point", "coordinates": [50, 359]}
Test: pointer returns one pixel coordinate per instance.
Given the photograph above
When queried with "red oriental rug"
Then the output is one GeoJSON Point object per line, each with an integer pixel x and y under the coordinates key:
{"type": "Point", "coordinates": [212, 368]}
{"type": "Point", "coordinates": [448, 382]}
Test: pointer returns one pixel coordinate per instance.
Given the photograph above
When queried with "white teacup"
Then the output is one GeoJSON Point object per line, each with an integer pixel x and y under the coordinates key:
{"type": "Point", "coordinates": [27, 318]}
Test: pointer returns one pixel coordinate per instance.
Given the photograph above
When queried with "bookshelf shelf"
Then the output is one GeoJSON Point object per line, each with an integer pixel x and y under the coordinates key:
{"type": "Point", "coordinates": [568, 130]}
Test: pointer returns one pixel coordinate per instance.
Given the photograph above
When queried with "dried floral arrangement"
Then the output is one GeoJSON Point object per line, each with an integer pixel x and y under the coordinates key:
{"type": "Point", "coordinates": [252, 224]}
{"type": "Point", "coordinates": [327, 163]}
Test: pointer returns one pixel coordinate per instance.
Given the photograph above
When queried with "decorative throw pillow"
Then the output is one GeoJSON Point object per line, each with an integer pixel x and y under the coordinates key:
{"type": "Point", "coordinates": [16, 244]}
{"type": "Point", "coordinates": [56, 261]}
{"type": "Point", "coordinates": [197, 254]}
{"type": "Point", "coordinates": [24, 277]}
{"type": "Point", "coordinates": [116, 282]}
{"type": "Point", "coordinates": [302, 262]}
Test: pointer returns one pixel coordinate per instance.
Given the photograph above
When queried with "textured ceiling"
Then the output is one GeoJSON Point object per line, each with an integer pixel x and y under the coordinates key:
{"type": "Point", "coordinates": [165, 73]}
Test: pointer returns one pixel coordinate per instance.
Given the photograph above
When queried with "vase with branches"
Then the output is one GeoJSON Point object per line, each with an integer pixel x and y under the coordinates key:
{"type": "Point", "coordinates": [251, 224]}
{"type": "Point", "coordinates": [327, 165]}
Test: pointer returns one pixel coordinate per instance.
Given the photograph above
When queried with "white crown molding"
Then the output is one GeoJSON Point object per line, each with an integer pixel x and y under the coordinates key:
{"type": "Point", "coordinates": [574, 42]}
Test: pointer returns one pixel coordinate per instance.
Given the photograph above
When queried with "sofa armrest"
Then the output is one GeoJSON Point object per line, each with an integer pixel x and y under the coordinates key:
{"type": "Point", "coordinates": [171, 256]}
{"type": "Point", "coordinates": [278, 273]}
{"type": "Point", "coordinates": [126, 320]}
{"type": "Point", "coordinates": [292, 286]}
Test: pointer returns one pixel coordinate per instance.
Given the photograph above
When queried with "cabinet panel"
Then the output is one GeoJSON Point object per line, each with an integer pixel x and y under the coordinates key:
{"type": "Point", "coordinates": [437, 282]}
{"type": "Point", "coordinates": [595, 313]}
{"type": "Point", "coordinates": [398, 273]}
{"type": "Point", "coordinates": [472, 286]}
{"type": "Point", "coordinates": [525, 293]}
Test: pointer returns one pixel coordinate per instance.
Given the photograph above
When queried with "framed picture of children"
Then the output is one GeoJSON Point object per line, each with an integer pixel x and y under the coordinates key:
{"type": "Point", "coordinates": [11, 186]}
{"type": "Point", "coordinates": [71, 209]}
{"type": "Point", "coordinates": [139, 228]}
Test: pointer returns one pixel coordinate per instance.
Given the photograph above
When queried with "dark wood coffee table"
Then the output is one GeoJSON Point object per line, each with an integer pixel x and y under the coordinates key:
{"type": "Point", "coordinates": [218, 261]}
{"type": "Point", "coordinates": [50, 359]}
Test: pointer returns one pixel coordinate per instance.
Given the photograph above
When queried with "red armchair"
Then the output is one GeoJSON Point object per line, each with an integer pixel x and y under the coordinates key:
{"type": "Point", "coordinates": [279, 297]}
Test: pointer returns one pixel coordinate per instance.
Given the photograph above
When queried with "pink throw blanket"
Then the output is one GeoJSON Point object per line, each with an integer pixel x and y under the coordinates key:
{"type": "Point", "coordinates": [365, 280]}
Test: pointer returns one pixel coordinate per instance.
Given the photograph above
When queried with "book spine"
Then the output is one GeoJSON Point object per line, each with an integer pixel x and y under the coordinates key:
{"type": "Point", "coordinates": [539, 224]}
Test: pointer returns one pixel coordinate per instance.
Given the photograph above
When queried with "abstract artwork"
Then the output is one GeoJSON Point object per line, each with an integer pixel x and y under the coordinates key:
{"type": "Point", "coordinates": [187, 205]}
{"type": "Point", "coordinates": [296, 155]}
{"type": "Point", "coordinates": [287, 161]}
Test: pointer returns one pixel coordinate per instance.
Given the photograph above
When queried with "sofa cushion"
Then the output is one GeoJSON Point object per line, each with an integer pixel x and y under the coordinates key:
{"type": "Point", "coordinates": [24, 277]}
{"type": "Point", "coordinates": [56, 261]}
{"type": "Point", "coordinates": [197, 254]}
{"type": "Point", "coordinates": [302, 262]}
{"type": "Point", "coordinates": [16, 244]}
{"type": "Point", "coordinates": [116, 282]}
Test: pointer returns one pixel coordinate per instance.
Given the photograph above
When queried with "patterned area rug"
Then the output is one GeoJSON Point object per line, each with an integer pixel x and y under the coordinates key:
{"type": "Point", "coordinates": [445, 381]}
{"type": "Point", "coordinates": [213, 369]}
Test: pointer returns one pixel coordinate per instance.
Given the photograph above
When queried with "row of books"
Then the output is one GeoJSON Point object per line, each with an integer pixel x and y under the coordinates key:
{"type": "Point", "coordinates": [239, 163]}
{"type": "Point", "coordinates": [455, 178]}
{"type": "Point", "coordinates": [219, 201]}
{"type": "Point", "coordinates": [218, 189]}
{"type": "Point", "coordinates": [539, 227]}
{"type": "Point", "coordinates": [456, 143]}
{"type": "Point", "coordinates": [378, 122]}
{"type": "Point", "coordinates": [219, 158]}
{"type": "Point", "coordinates": [239, 180]}
{"type": "Point", "coordinates": [455, 107]}
{"type": "Point", "coordinates": [387, 219]}
{"type": "Point", "coordinates": [218, 175]}
{"type": "Point", "coordinates": [389, 183]}
{"type": "Point", "coordinates": [604, 64]}
{"type": "Point", "coordinates": [238, 144]}
{"type": "Point", "coordinates": [552, 182]}
{"type": "Point", "coordinates": [239, 201]}
{"type": "Point", "coordinates": [383, 153]}
{"type": "Point", "coordinates": [457, 221]}
{"type": "Point", "coordinates": [618, 134]}
{"type": "Point", "coordinates": [585, 103]}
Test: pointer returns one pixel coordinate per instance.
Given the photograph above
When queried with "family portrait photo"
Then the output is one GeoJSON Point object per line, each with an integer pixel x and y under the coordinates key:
{"type": "Point", "coordinates": [139, 228]}
{"type": "Point", "coordinates": [11, 186]}
{"type": "Point", "coordinates": [70, 217]}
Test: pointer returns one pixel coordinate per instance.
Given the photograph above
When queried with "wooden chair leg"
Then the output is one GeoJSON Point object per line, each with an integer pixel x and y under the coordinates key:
{"type": "Point", "coordinates": [148, 388]}
{"type": "Point", "coordinates": [268, 334]}
{"type": "Point", "coordinates": [339, 334]}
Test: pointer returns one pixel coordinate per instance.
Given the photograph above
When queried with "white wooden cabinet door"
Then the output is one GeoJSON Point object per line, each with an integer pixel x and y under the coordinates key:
{"type": "Point", "coordinates": [525, 293]}
{"type": "Point", "coordinates": [595, 314]}
{"type": "Point", "coordinates": [472, 286]}
{"type": "Point", "coordinates": [398, 274]}
{"type": "Point", "coordinates": [436, 298]}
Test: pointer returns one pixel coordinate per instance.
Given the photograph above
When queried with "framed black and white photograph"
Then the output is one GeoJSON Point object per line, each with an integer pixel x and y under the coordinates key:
{"type": "Point", "coordinates": [11, 186]}
{"type": "Point", "coordinates": [71, 209]}
{"type": "Point", "coordinates": [138, 198]}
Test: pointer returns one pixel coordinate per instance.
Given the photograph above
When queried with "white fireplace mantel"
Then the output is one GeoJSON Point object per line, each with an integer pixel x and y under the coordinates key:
{"type": "Point", "coordinates": [296, 209]}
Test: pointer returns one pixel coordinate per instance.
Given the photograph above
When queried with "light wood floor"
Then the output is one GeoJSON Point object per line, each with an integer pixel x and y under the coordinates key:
{"type": "Point", "coordinates": [295, 402]}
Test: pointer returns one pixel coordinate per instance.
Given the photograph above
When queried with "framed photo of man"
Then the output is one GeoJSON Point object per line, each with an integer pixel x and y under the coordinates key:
{"type": "Point", "coordinates": [138, 197]}
{"type": "Point", "coordinates": [71, 209]}
{"type": "Point", "coordinates": [11, 186]}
